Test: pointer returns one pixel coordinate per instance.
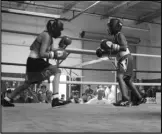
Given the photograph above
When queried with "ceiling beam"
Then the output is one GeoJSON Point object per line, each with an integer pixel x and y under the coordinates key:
{"type": "Point", "coordinates": [149, 17]}
{"type": "Point", "coordinates": [36, 4]}
{"type": "Point", "coordinates": [121, 7]}
{"type": "Point", "coordinates": [93, 5]}
{"type": "Point", "coordinates": [69, 6]}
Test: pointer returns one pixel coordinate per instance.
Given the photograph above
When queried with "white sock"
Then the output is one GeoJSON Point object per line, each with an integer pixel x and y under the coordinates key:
{"type": "Point", "coordinates": [7, 99]}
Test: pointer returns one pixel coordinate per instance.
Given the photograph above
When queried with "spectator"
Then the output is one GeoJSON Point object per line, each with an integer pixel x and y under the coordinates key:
{"type": "Point", "coordinates": [99, 99]}
{"type": "Point", "coordinates": [42, 93]}
{"type": "Point", "coordinates": [28, 98]}
{"type": "Point", "coordinates": [88, 90]}
{"type": "Point", "coordinates": [62, 97]}
{"type": "Point", "coordinates": [76, 98]}
{"type": "Point", "coordinates": [151, 95]}
{"type": "Point", "coordinates": [101, 91]}
{"type": "Point", "coordinates": [84, 97]}
{"type": "Point", "coordinates": [6, 93]}
{"type": "Point", "coordinates": [89, 97]}
{"type": "Point", "coordinates": [43, 88]}
{"type": "Point", "coordinates": [48, 96]}
{"type": "Point", "coordinates": [95, 91]}
{"type": "Point", "coordinates": [33, 95]}
{"type": "Point", "coordinates": [21, 99]}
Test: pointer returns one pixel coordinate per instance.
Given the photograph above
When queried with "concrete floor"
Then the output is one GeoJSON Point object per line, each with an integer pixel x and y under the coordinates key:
{"type": "Point", "coordinates": [81, 118]}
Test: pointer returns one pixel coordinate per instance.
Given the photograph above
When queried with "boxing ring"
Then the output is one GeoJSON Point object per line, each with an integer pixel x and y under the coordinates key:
{"type": "Point", "coordinates": [40, 117]}
{"type": "Point", "coordinates": [81, 118]}
{"type": "Point", "coordinates": [36, 117]}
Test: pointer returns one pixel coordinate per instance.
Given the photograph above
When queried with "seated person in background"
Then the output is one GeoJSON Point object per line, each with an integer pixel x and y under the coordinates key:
{"type": "Point", "coordinates": [43, 88]}
{"type": "Point", "coordinates": [21, 98]}
{"type": "Point", "coordinates": [62, 97]}
{"type": "Point", "coordinates": [151, 95]}
{"type": "Point", "coordinates": [40, 96]}
{"type": "Point", "coordinates": [6, 93]}
{"type": "Point", "coordinates": [89, 97]}
{"type": "Point", "coordinates": [48, 96]}
{"type": "Point", "coordinates": [84, 97]}
{"type": "Point", "coordinates": [29, 99]}
{"type": "Point", "coordinates": [33, 95]}
{"type": "Point", "coordinates": [75, 98]}
{"type": "Point", "coordinates": [95, 91]}
{"type": "Point", "coordinates": [88, 90]}
{"type": "Point", "coordinates": [99, 99]}
{"type": "Point", "coordinates": [100, 89]}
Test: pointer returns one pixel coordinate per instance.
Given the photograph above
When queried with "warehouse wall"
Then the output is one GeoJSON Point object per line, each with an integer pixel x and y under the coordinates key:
{"type": "Point", "coordinates": [148, 63]}
{"type": "Point", "coordinates": [18, 54]}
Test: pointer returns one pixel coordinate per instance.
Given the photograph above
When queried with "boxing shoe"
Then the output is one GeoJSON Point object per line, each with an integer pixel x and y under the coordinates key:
{"type": "Point", "coordinates": [143, 100]}
{"type": "Point", "coordinates": [57, 103]}
{"type": "Point", "coordinates": [123, 103]}
{"type": "Point", "coordinates": [6, 103]}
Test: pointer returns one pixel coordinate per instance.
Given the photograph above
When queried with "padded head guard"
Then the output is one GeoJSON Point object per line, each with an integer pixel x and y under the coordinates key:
{"type": "Point", "coordinates": [114, 26]}
{"type": "Point", "coordinates": [54, 27]}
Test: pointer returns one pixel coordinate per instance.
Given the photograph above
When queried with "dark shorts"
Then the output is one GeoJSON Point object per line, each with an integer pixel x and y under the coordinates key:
{"type": "Point", "coordinates": [34, 69]}
{"type": "Point", "coordinates": [125, 65]}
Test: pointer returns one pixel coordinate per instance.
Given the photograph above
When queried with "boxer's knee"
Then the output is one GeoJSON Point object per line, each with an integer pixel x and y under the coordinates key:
{"type": "Point", "coordinates": [51, 70]}
{"type": "Point", "coordinates": [54, 70]}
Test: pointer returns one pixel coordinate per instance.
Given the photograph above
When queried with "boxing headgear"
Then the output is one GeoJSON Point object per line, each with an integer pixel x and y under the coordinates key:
{"type": "Point", "coordinates": [54, 27]}
{"type": "Point", "coordinates": [114, 26]}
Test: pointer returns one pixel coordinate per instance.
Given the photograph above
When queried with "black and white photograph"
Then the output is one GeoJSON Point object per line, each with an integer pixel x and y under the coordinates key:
{"type": "Point", "coordinates": [80, 66]}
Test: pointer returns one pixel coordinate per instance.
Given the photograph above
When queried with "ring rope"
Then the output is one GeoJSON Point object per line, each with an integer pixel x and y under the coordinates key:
{"type": "Point", "coordinates": [69, 67]}
{"type": "Point", "coordinates": [93, 52]}
{"type": "Point", "coordinates": [86, 82]}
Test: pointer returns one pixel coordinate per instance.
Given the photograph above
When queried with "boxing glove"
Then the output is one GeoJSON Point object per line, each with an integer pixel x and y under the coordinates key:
{"type": "Point", "coordinates": [64, 42]}
{"type": "Point", "coordinates": [109, 46]}
{"type": "Point", "coordinates": [58, 54]}
{"type": "Point", "coordinates": [99, 52]}
{"type": "Point", "coordinates": [103, 44]}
